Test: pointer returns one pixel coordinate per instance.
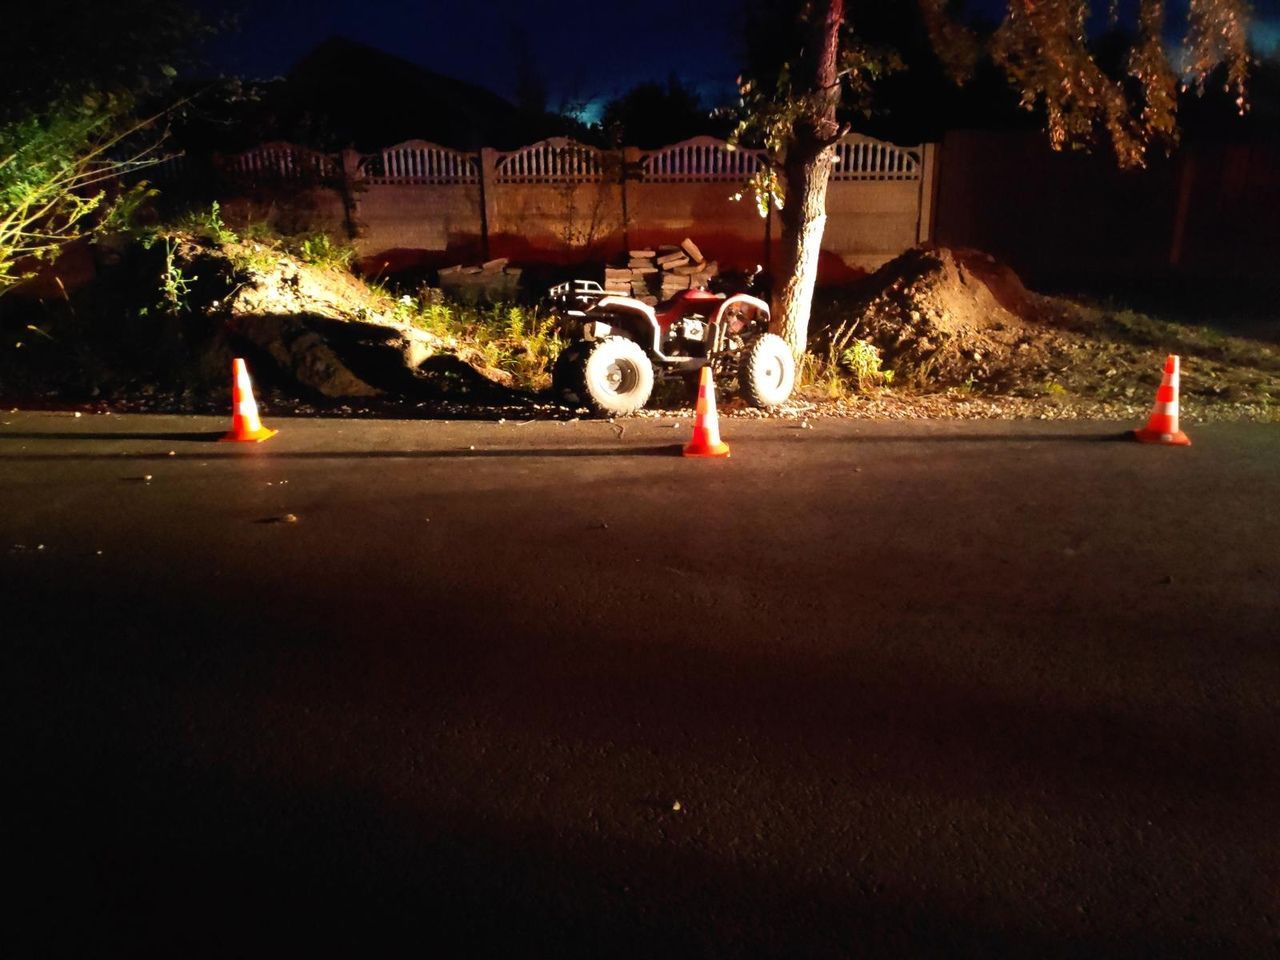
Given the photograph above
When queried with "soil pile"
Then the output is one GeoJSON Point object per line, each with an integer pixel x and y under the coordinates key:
{"type": "Point", "coordinates": [165, 319]}
{"type": "Point", "coordinates": [945, 318]}
{"type": "Point", "coordinates": [320, 328]}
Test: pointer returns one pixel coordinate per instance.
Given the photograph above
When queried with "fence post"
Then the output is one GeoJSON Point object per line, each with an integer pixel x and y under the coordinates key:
{"type": "Point", "coordinates": [488, 198]}
{"type": "Point", "coordinates": [630, 169]}
{"type": "Point", "coordinates": [350, 184]}
{"type": "Point", "coordinates": [928, 190]}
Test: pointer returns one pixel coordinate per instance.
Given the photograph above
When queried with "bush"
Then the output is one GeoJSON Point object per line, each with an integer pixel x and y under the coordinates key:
{"type": "Point", "coordinates": [61, 179]}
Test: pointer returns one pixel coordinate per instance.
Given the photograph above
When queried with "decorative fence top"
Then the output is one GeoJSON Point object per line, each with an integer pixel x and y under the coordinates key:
{"type": "Point", "coordinates": [699, 160]}
{"type": "Point", "coordinates": [862, 158]}
{"type": "Point", "coordinates": [558, 160]}
{"type": "Point", "coordinates": [417, 161]}
{"type": "Point", "coordinates": [283, 161]}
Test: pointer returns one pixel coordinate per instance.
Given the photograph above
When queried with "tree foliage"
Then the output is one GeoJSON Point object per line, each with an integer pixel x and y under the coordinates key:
{"type": "Point", "coordinates": [784, 102]}
{"type": "Point", "coordinates": [59, 51]}
{"type": "Point", "coordinates": [1045, 49]}
{"type": "Point", "coordinates": [797, 107]}
{"type": "Point", "coordinates": [655, 114]}
{"type": "Point", "coordinates": [63, 176]}
{"type": "Point", "coordinates": [72, 76]}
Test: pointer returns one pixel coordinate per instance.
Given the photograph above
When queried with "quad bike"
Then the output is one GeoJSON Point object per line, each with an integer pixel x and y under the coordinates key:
{"type": "Point", "coordinates": [619, 345]}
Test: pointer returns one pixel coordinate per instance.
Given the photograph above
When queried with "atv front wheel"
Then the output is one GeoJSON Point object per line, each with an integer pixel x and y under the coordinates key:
{"type": "Point", "coordinates": [768, 372]}
{"type": "Point", "coordinates": [617, 376]}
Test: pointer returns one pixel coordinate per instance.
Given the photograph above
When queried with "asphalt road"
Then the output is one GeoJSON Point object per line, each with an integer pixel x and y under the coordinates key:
{"type": "Point", "coordinates": [866, 689]}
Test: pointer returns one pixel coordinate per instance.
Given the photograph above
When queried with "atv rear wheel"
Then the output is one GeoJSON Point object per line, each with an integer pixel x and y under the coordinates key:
{"type": "Point", "coordinates": [768, 372]}
{"type": "Point", "coordinates": [617, 376]}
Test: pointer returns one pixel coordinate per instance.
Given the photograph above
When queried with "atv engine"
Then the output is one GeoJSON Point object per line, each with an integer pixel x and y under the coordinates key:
{"type": "Point", "coordinates": [686, 334]}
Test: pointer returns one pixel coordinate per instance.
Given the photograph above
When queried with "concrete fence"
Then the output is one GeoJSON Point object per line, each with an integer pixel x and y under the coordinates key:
{"type": "Point", "coordinates": [563, 201]}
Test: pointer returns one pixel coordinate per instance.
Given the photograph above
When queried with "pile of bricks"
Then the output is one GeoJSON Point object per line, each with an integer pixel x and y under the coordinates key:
{"type": "Point", "coordinates": [492, 282]}
{"type": "Point", "coordinates": [655, 275]}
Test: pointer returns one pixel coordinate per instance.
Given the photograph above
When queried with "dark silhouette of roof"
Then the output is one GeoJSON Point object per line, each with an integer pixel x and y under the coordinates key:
{"type": "Point", "coordinates": [353, 93]}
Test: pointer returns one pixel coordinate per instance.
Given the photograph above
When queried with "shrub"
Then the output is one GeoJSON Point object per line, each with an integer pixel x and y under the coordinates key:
{"type": "Point", "coordinates": [61, 178]}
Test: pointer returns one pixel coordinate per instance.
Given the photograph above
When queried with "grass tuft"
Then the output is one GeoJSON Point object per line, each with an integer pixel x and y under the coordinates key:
{"type": "Point", "coordinates": [843, 364]}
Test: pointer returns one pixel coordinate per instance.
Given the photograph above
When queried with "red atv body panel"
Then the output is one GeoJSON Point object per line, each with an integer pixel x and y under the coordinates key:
{"type": "Point", "coordinates": [679, 306]}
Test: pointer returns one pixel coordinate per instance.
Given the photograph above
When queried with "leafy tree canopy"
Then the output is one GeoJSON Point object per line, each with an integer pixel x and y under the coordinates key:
{"type": "Point", "coordinates": [655, 114]}
{"type": "Point", "coordinates": [71, 78]}
{"type": "Point", "coordinates": [1095, 71]}
{"type": "Point", "coordinates": [59, 51]}
{"type": "Point", "coordinates": [816, 63]}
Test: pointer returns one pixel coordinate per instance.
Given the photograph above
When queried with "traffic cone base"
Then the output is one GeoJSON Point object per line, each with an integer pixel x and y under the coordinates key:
{"type": "Point", "coordinates": [1175, 439]}
{"type": "Point", "coordinates": [706, 440]}
{"type": "Point", "coordinates": [250, 436]}
{"type": "Point", "coordinates": [245, 425]}
{"type": "Point", "coordinates": [1162, 425]}
{"type": "Point", "coordinates": [695, 449]}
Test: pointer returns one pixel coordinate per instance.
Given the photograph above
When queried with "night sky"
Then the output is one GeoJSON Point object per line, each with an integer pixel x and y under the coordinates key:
{"type": "Point", "coordinates": [586, 51]}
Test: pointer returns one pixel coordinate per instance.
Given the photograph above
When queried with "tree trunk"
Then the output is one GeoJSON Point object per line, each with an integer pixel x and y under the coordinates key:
{"type": "Point", "coordinates": [807, 167]}
{"type": "Point", "coordinates": [803, 221]}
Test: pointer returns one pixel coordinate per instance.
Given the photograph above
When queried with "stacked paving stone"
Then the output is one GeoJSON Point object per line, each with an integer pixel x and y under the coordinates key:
{"type": "Point", "coordinates": [492, 281]}
{"type": "Point", "coordinates": [652, 276]}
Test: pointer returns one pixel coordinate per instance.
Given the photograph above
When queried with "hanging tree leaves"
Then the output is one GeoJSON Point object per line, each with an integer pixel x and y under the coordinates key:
{"type": "Point", "coordinates": [1043, 47]}
{"type": "Point", "coordinates": [796, 107]}
{"type": "Point", "coordinates": [771, 110]}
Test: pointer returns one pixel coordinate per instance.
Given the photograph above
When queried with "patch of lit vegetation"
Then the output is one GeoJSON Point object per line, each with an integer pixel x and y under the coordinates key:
{"type": "Point", "coordinates": [522, 341]}
{"type": "Point", "coordinates": [257, 245]}
{"type": "Point", "coordinates": [844, 365]}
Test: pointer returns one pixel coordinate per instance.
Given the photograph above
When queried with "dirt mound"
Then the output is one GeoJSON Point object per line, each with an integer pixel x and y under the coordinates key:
{"type": "Point", "coordinates": [162, 319]}
{"type": "Point", "coordinates": [322, 329]}
{"type": "Point", "coordinates": [944, 316]}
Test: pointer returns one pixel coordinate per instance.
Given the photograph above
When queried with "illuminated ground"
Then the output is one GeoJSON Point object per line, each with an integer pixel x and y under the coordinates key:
{"type": "Point", "coordinates": [917, 689]}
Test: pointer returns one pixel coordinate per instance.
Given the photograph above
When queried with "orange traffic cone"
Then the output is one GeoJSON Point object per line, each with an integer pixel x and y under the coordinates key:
{"type": "Point", "coordinates": [1162, 425]}
{"type": "Point", "coordinates": [706, 440]}
{"type": "Point", "coordinates": [245, 425]}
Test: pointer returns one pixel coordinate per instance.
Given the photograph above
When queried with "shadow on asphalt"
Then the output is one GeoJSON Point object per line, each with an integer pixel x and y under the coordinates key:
{"type": "Point", "coordinates": [652, 450]}
{"type": "Point", "coordinates": [984, 438]}
{"type": "Point", "coordinates": [207, 437]}
{"type": "Point", "coordinates": [666, 450]}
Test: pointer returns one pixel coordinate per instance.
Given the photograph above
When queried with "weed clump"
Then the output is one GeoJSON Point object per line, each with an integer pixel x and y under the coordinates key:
{"type": "Point", "coordinates": [319, 250]}
{"type": "Point", "coordinates": [520, 341]}
{"type": "Point", "coordinates": [841, 364]}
